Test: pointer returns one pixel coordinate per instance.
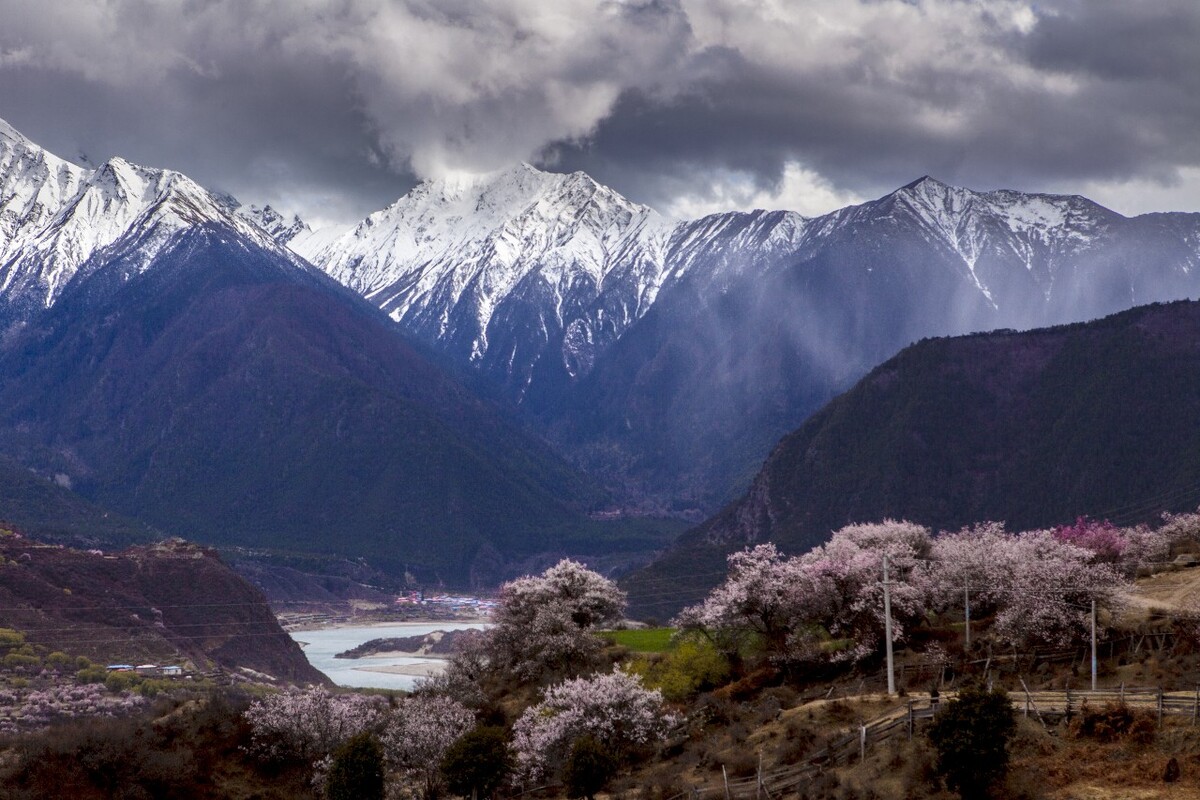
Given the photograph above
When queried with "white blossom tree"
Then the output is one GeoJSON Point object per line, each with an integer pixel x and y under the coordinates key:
{"type": "Point", "coordinates": [1050, 585]}
{"type": "Point", "coordinates": [614, 709]}
{"type": "Point", "coordinates": [418, 734]}
{"type": "Point", "coordinates": [545, 623]}
{"type": "Point", "coordinates": [310, 723]}
{"type": "Point", "coordinates": [765, 595]}
{"type": "Point", "coordinates": [849, 571]}
{"type": "Point", "coordinates": [1038, 585]}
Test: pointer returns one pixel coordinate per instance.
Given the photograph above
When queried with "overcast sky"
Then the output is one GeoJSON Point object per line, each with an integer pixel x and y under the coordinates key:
{"type": "Point", "coordinates": [334, 108]}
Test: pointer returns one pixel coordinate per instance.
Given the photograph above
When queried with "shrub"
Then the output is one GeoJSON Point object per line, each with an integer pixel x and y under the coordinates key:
{"type": "Point", "coordinates": [971, 736]}
{"type": "Point", "coordinates": [21, 661]}
{"type": "Point", "coordinates": [92, 675]}
{"type": "Point", "coordinates": [10, 638]}
{"type": "Point", "coordinates": [694, 666]}
{"type": "Point", "coordinates": [356, 772]}
{"type": "Point", "coordinates": [589, 767]}
{"type": "Point", "coordinates": [478, 763]}
{"type": "Point", "coordinates": [1114, 722]}
{"type": "Point", "coordinates": [120, 681]}
{"type": "Point", "coordinates": [58, 659]}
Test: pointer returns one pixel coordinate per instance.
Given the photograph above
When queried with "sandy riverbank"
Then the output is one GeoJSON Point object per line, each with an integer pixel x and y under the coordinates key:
{"type": "Point", "coordinates": [417, 670]}
{"type": "Point", "coordinates": [397, 654]}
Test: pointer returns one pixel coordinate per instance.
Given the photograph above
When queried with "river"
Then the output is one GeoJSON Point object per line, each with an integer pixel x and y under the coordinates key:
{"type": "Point", "coordinates": [320, 646]}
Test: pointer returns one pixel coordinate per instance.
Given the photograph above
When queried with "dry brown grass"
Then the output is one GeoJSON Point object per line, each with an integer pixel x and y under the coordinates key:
{"type": "Point", "coordinates": [1172, 591]}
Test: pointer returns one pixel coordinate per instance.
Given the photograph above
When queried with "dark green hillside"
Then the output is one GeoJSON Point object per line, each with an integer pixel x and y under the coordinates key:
{"type": "Point", "coordinates": [229, 397]}
{"type": "Point", "coordinates": [44, 509]}
{"type": "Point", "coordinates": [1035, 428]}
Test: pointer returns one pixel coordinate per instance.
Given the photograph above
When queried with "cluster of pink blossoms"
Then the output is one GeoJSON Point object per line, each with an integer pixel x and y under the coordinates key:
{"type": "Point", "coordinates": [828, 603]}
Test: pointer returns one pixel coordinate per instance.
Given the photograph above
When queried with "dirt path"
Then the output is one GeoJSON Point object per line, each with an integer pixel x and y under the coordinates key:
{"type": "Point", "coordinates": [1173, 591]}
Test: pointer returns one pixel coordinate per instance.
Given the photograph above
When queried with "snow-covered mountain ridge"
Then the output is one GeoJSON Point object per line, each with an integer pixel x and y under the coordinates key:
{"type": "Point", "coordinates": [525, 272]}
{"type": "Point", "coordinates": [56, 218]}
{"type": "Point", "coordinates": [669, 355]}
{"type": "Point", "coordinates": [454, 260]}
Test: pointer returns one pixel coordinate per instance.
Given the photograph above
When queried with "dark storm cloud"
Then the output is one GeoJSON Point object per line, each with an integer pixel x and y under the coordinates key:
{"type": "Point", "coordinates": [335, 107]}
{"type": "Point", "coordinates": [1092, 93]}
{"type": "Point", "coordinates": [254, 120]}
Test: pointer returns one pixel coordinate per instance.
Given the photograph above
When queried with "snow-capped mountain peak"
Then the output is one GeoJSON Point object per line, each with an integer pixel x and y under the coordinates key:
{"type": "Point", "coordinates": [33, 184]}
{"type": "Point", "coordinates": [450, 255]}
{"type": "Point", "coordinates": [519, 269]}
{"type": "Point", "coordinates": [56, 216]}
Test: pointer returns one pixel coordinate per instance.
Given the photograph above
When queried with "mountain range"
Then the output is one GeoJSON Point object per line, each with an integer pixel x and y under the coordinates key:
{"type": "Point", "coordinates": [669, 356]}
{"type": "Point", "coordinates": [492, 370]}
{"type": "Point", "coordinates": [173, 363]}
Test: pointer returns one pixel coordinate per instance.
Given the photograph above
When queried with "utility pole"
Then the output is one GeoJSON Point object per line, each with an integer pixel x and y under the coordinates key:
{"type": "Point", "coordinates": [1093, 644]}
{"type": "Point", "coordinates": [887, 625]}
{"type": "Point", "coordinates": [967, 605]}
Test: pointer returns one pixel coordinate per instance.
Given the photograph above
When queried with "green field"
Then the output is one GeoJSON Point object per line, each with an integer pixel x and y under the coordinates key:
{"type": "Point", "coordinates": [646, 640]}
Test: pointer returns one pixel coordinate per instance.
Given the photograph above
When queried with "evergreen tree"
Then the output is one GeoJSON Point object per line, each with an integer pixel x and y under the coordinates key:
{"type": "Point", "coordinates": [971, 734]}
{"type": "Point", "coordinates": [476, 765]}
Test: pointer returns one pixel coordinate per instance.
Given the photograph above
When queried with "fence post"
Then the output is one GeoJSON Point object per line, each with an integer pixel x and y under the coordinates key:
{"type": "Point", "coordinates": [862, 742]}
{"type": "Point", "coordinates": [1196, 706]}
{"type": "Point", "coordinates": [910, 714]}
{"type": "Point", "coordinates": [1068, 712]}
{"type": "Point", "coordinates": [725, 777]}
{"type": "Point", "coordinates": [1029, 702]}
{"type": "Point", "coordinates": [1160, 706]}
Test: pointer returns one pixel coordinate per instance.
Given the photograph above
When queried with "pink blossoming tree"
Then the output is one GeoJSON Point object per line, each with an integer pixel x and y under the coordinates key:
{"type": "Point", "coordinates": [825, 604]}
{"type": "Point", "coordinates": [1038, 585]}
{"type": "Point", "coordinates": [544, 624]}
{"type": "Point", "coordinates": [309, 723]}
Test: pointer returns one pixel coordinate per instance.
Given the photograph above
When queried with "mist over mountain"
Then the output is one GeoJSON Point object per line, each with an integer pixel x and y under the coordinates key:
{"type": "Point", "coordinates": [1033, 428]}
{"type": "Point", "coordinates": [669, 356]}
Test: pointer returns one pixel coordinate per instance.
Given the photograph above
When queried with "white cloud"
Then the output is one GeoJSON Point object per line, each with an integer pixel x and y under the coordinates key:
{"type": "Point", "coordinates": [799, 189]}
{"type": "Point", "coordinates": [1179, 191]}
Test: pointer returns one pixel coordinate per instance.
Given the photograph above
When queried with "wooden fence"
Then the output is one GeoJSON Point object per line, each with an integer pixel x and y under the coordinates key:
{"type": "Point", "coordinates": [904, 720]}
